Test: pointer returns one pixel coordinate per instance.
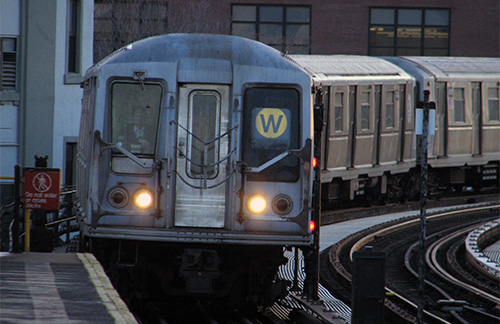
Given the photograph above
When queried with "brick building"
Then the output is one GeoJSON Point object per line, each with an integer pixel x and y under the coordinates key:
{"type": "Point", "coordinates": [364, 27]}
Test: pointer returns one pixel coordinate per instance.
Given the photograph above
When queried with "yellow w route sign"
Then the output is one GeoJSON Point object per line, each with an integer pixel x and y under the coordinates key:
{"type": "Point", "coordinates": [272, 122]}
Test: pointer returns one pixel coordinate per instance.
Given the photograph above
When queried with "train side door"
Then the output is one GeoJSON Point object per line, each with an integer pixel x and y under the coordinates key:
{"type": "Point", "coordinates": [200, 189]}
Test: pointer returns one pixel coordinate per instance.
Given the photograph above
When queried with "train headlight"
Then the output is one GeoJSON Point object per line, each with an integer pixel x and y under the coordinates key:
{"type": "Point", "coordinates": [257, 204]}
{"type": "Point", "coordinates": [118, 197]}
{"type": "Point", "coordinates": [143, 199]}
{"type": "Point", "coordinates": [282, 204]}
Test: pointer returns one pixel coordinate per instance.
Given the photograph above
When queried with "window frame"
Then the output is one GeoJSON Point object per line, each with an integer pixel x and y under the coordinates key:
{"type": "Point", "coordinates": [73, 55]}
{"type": "Point", "coordinates": [259, 24]}
{"type": "Point", "coordinates": [397, 27]}
{"type": "Point", "coordinates": [8, 81]}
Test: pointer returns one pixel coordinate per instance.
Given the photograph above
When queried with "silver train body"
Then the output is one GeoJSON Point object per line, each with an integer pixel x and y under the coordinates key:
{"type": "Point", "coordinates": [228, 124]}
{"type": "Point", "coordinates": [371, 147]}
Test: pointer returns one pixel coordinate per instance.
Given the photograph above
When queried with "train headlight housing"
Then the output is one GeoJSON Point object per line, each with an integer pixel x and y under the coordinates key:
{"type": "Point", "coordinates": [256, 204]}
{"type": "Point", "coordinates": [118, 197]}
{"type": "Point", "coordinates": [143, 199]}
{"type": "Point", "coordinates": [282, 205]}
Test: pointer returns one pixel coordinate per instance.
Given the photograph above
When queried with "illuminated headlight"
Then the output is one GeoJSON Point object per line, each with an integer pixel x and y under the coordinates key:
{"type": "Point", "coordinates": [257, 204]}
{"type": "Point", "coordinates": [282, 204]}
{"type": "Point", "coordinates": [143, 199]}
{"type": "Point", "coordinates": [118, 197]}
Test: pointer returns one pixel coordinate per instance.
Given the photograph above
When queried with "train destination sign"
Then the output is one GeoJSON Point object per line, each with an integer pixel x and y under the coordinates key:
{"type": "Point", "coordinates": [41, 189]}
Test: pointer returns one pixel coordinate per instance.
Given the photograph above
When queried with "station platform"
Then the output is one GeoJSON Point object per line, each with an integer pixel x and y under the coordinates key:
{"type": "Point", "coordinates": [57, 288]}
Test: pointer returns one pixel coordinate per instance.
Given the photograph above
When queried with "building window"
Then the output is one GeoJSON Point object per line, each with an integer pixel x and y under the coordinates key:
{"type": "Point", "coordinates": [8, 63]}
{"type": "Point", "coordinates": [396, 32]}
{"type": "Point", "coordinates": [286, 28]}
{"type": "Point", "coordinates": [73, 44]}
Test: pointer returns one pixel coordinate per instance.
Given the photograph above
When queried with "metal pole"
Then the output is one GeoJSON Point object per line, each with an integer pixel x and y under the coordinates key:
{"type": "Point", "coordinates": [16, 247]}
{"type": "Point", "coordinates": [423, 207]}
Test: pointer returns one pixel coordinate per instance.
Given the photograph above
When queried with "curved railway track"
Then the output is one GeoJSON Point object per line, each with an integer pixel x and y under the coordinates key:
{"type": "Point", "coordinates": [447, 296]}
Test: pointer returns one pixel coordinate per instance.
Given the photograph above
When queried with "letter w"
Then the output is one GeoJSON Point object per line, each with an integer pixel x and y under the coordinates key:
{"type": "Point", "coordinates": [265, 126]}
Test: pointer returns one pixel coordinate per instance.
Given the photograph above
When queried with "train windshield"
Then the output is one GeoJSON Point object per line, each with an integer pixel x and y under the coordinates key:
{"type": "Point", "coordinates": [134, 115]}
{"type": "Point", "coordinates": [271, 115]}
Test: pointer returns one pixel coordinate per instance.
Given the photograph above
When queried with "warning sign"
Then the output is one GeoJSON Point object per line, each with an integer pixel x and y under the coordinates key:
{"type": "Point", "coordinates": [41, 189]}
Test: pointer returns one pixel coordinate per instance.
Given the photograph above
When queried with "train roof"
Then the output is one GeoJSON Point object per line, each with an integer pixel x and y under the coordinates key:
{"type": "Point", "coordinates": [452, 67]}
{"type": "Point", "coordinates": [331, 66]}
{"type": "Point", "coordinates": [185, 47]}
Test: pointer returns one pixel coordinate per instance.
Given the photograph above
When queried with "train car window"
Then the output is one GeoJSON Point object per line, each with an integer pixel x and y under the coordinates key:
{"type": "Point", "coordinates": [459, 105]}
{"type": "Point", "coordinates": [389, 109]}
{"type": "Point", "coordinates": [271, 118]}
{"type": "Point", "coordinates": [493, 104]}
{"type": "Point", "coordinates": [204, 114]}
{"type": "Point", "coordinates": [339, 111]}
{"type": "Point", "coordinates": [134, 115]}
{"type": "Point", "coordinates": [365, 110]}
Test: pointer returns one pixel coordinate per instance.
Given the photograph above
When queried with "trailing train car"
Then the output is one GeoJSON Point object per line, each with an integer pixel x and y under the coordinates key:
{"type": "Point", "coordinates": [194, 166]}
{"type": "Point", "coordinates": [370, 147]}
{"type": "Point", "coordinates": [369, 141]}
{"type": "Point", "coordinates": [465, 150]}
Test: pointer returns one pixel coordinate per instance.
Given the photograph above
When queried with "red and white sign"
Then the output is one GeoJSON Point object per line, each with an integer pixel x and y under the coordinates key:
{"type": "Point", "coordinates": [42, 188]}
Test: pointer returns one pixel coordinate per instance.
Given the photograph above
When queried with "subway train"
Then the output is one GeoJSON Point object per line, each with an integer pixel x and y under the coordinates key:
{"type": "Point", "coordinates": [195, 168]}
{"type": "Point", "coordinates": [195, 163]}
{"type": "Point", "coordinates": [371, 146]}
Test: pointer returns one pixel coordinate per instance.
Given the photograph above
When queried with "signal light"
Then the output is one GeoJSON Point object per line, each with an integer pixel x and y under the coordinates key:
{"type": "Point", "coordinates": [312, 226]}
{"type": "Point", "coordinates": [315, 162]}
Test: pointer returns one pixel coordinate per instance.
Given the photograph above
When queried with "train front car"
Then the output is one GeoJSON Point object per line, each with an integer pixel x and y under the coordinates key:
{"type": "Point", "coordinates": [194, 166]}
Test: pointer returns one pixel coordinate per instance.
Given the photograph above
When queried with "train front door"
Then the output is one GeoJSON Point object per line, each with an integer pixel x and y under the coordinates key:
{"type": "Point", "coordinates": [200, 189]}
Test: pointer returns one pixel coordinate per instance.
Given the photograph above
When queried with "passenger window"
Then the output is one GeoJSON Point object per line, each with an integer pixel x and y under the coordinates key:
{"type": "Point", "coordinates": [493, 104]}
{"type": "Point", "coordinates": [339, 111]}
{"type": "Point", "coordinates": [204, 112]}
{"type": "Point", "coordinates": [389, 109]}
{"type": "Point", "coordinates": [459, 105]}
{"type": "Point", "coordinates": [134, 115]}
{"type": "Point", "coordinates": [365, 110]}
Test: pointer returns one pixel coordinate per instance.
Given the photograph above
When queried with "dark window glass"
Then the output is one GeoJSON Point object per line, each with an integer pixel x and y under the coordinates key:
{"type": "Point", "coordinates": [298, 14]}
{"type": "Point", "coordinates": [271, 14]}
{"type": "Point", "coordinates": [365, 110]}
{"type": "Point", "coordinates": [389, 110]}
{"type": "Point", "coordinates": [204, 106]}
{"type": "Point", "coordinates": [382, 16]}
{"type": "Point", "coordinates": [437, 17]}
{"type": "Point", "coordinates": [459, 104]}
{"type": "Point", "coordinates": [297, 34]}
{"type": "Point", "coordinates": [270, 115]}
{"type": "Point", "coordinates": [409, 37]}
{"type": "Point", "coordinates": [244, 13]}
{"type": "Point", "coordinates": [73, 30]}
{"type": "Point", "coordinates": [134, 115]}
{"type": "Point", "coordinates": [493, 104]}
{"type": "Point", "coordinates": [339, 111]}
{"type": "Point", "coordinates": [410, 17]}
{"type": "Point", "coordinates": [436, 37]}
{"type": "Point", "coordinates": [270, 33]}
{"type": "Point", "coordinates": [245, 30]}
{"type": "Point", "coordinates": [382, 36]}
